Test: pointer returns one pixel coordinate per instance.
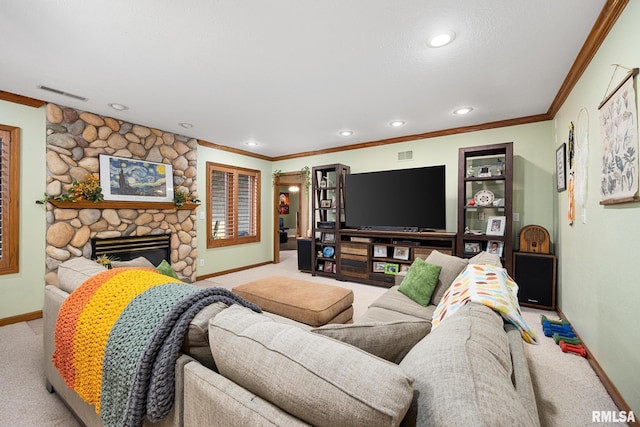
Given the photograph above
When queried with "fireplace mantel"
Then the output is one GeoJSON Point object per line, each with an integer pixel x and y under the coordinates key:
{"type": "Point", "coordinates": [114, 204]}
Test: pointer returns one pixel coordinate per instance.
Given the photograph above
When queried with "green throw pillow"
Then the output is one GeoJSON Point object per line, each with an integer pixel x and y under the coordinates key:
{"type": "Point", "coordinates": [420, 281]}
{"type": "Point", "coordinates": [166, 269]}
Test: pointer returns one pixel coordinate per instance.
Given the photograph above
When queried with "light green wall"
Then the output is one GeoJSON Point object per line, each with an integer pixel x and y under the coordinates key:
{"type": "Point", "coordinates": [231, 257]}
{"type": "Point", "coordinates": [598, 272]}
{"type": "Point", "coordinates": [533, 169]}
{"type": "Point", "coordinates": [23, 292]}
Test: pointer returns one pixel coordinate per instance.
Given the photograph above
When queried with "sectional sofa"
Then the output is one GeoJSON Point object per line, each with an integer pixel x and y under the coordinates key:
{"type": "Point", "coordinates": [239, 367]}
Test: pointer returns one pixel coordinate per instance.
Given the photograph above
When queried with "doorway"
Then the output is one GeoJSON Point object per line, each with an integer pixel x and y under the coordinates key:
{"type": "Point", "coordinates": [291, 205]}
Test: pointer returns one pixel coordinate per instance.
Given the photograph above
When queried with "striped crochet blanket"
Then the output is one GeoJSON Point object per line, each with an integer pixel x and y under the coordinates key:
{"type": "Point", "coordinates": [488, 285]}
{"type": "Point", "coordinates": [118, 336]}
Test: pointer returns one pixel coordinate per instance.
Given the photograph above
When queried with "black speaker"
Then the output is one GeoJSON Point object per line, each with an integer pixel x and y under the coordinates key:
{"type": "Point", "coordinates": [304, 254]}
{"type": "Point", "coordinates": [535, 275]}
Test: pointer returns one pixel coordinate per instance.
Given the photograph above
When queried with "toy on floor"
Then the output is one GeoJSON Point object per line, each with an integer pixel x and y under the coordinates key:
{"type": "Point", "coordinates": [557, 338]}
{"type": "Point", "coordinates": [565, 330]}
{"type": "Point", "coordinates": [544, 319]}
{"type": "Point", "coordinates": [563, 335]}
{"type": "Point", "coordinates": [571, 348]}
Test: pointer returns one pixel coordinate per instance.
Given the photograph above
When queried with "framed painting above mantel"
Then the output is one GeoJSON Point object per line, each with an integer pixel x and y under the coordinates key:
{"type": "Point", "coordinates": [134, 180]}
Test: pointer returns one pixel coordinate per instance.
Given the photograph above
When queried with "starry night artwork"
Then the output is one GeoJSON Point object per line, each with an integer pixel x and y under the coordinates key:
{"type": "Point", "coordinates": [135, 180]}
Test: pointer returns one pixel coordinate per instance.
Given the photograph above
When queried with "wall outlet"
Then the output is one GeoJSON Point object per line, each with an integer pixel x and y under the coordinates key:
{"type": "Point", "coordinates": [516, 216]}
{"type": "Point", "coordinates": [201, 262]}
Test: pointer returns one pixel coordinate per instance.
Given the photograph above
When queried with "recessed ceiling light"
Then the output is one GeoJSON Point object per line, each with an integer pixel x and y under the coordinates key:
{"type": "Point", "coordinates": [294, 188]}
{"type": "Point", "coordinates": [462, 111]}
{"type": "Point", "coordinates": [346, 132]}
{"type": "Point", "coordinates": [251, 143]}
{"type": "Point", "coordinates": [396, 123]}
{"type": "Point", "coordinates": [441, 39]}
{"type": "Point", "coordinates": [118, 107]}
{"type": "Point", "coordinates": [186, 125]}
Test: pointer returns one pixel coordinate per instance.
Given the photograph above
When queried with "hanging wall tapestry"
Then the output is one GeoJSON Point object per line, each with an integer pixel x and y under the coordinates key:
{"type": "Point", "coordinates": [619, 133]}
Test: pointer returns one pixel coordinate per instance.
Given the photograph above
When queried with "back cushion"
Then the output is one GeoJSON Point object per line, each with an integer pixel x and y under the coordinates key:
{"type": "Point", "coordinates": [451, 267]}
{"type": "Point", "coordinates": [74, 272]}
{"type": "Point", "coordinates": [317, 379]}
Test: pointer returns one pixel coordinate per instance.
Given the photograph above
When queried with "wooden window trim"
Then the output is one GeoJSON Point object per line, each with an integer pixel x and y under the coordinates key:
{"type": "Point", "coordinates": [236, 240]}
{"type": "Point", "coordinates": [9, 262]}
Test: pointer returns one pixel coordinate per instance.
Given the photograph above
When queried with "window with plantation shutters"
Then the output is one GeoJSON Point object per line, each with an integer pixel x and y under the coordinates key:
{"type": "Point", "coordinates": [233, 211]}
{"type": "Point", "coordinates": [9, 192]}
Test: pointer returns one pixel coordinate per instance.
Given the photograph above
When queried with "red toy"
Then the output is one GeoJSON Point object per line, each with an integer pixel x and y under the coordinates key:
{"type": "Point", "coordinates": [578, 349]}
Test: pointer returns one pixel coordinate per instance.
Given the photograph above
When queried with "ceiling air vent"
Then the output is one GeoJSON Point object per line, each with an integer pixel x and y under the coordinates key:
{"type": "Point", "coordinates": [61, 92]}
{"type": "Point", "coordinates": [404, 156]}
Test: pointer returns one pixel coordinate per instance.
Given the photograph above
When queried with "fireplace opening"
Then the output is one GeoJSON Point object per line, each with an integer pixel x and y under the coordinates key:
{"type": "Point", "coordinates": [153, 248]}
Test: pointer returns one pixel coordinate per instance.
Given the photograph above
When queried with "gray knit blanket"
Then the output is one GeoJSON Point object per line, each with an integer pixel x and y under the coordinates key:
{"type": "Point", "coordinates": [143, 346]}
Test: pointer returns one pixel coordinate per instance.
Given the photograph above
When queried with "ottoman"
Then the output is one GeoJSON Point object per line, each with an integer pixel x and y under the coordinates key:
{"type": "Point", "coordinates": [306, 302]}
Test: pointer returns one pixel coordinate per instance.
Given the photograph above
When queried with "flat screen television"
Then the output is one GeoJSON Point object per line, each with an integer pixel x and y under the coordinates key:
{"type": "Point", "coordinates": [396, 200]}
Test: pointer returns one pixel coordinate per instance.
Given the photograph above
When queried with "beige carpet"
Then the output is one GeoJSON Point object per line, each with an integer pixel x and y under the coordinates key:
{"type": "Point", "coordinates": [566, 387]}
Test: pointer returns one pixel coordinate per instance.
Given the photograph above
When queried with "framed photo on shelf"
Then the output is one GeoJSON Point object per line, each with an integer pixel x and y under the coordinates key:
{"type": "Point", "coordinates": [495, 247]}
{"type": "Point", "coordinates": [378, 267]}
{"type": "Point", "coordinates": [561, 161]}
{"type": "Point", "coordinates": [495, 225]}
{"type": "Point", "coordinates": [472, 247]}
{"type": "Point", "coordinates": [328, 267]}
{"type": "Point", "coordinates": [404, 268]}
{"type": "Point", "coordinates": [391, 268]}
{"type": "Point", "coordinates": [401, 252]}
{"type": "Point", "coordinates": [135, 180]}
{"type": "Point", "coordinates": [328, 238]}
{"type": "Point", "coordinates": [484, 172]}
{"type": "Point", "coordinates": [325, 203]}
{"type": "Point", "coordinates": [379, 251]}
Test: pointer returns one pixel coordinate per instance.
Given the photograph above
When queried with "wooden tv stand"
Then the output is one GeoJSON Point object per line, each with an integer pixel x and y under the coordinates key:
{"type": "Point", "coordinates": [372, 257]}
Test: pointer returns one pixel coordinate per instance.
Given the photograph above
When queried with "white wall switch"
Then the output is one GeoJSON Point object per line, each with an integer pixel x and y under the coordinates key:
{"type": "Point", "coordinates": [201, 262]}
{"type": "Point", "coordinates": [201, 214]}
{"type": "Point", "coordinates": [516, 216]}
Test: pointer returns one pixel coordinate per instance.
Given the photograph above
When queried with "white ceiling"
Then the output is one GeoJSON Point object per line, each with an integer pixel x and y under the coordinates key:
{"type": "Point", "coordinates": [290, 74]}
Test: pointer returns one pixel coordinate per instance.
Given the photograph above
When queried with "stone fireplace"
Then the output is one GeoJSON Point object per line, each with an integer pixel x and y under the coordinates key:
{"type": "Point", "coordinates": [75, 139]}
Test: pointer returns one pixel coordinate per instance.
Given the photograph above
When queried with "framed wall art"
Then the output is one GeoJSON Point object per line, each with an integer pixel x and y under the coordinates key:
{"type": "Point", "coordinates": [561, 162]}
{"type": "Point", "coordinates": [619, 134]}
{"type": "Point", "coordinates": [135, 180]}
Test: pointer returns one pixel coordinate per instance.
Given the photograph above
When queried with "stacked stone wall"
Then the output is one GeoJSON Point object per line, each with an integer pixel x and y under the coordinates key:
{"type": "Point", "coordinates": [75, 140]}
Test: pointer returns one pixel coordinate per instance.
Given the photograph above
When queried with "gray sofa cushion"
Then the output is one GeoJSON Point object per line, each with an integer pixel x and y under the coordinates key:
{"type": "Point", "coordinates": [76, 271]}
{"type": "Point", "coordinates": [196, 342]}
{"type": "Point", "coordinates": [387, 340]}
{"type": "Point", "coordinates": [400, 303]}
{"type": "Point", "coordinates": [464, 373]}
{"type": "Point", "coordinates": [316, 379]}
{"type": "Point", "coordinates": [451, 267]}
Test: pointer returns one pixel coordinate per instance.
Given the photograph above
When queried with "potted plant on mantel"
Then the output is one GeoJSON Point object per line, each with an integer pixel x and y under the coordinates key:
{"type": "Point", "coordinates": [85, 194]}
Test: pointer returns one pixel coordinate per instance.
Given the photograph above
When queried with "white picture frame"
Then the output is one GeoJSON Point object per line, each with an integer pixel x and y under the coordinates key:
{"type": "Point", "coordinates": [135, 180]}
{"type": "Point", "coordinates": [495, 247]}
{"type": "Point", "coordinates": [401, 252]}
{"type": "Point", "coordinates": [495, 225]}
{"type": "Point", "coordinates": [380, 251]}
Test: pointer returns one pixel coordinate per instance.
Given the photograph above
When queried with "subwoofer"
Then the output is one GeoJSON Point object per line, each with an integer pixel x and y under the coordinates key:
{"type": "Point", "coordinates": [304, 254]}
{"type": "Point", "coordinates": [535, 275]}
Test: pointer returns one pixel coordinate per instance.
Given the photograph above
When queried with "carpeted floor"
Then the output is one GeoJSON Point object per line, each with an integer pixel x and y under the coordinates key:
{"type": "Point", "coordinates": [566, 387]}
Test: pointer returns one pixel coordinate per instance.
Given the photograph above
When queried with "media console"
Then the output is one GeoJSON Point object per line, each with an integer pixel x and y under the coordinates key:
{"type": "Point", "coordinates": [376, 257]}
